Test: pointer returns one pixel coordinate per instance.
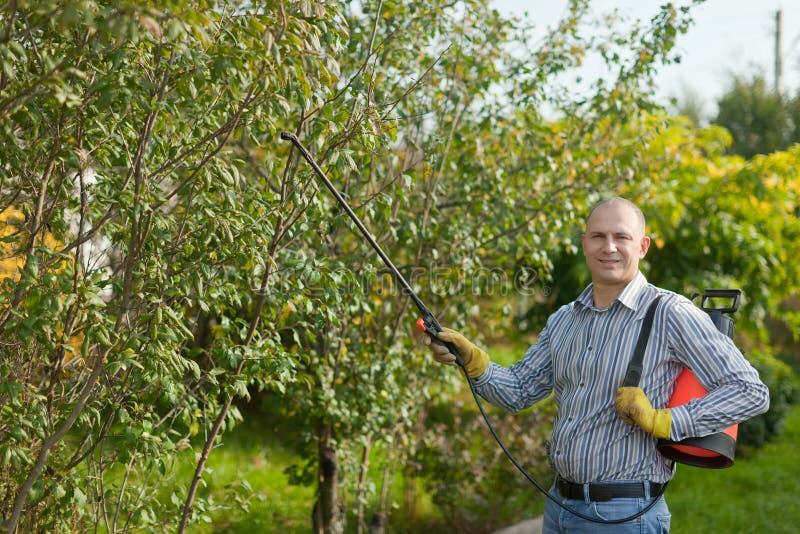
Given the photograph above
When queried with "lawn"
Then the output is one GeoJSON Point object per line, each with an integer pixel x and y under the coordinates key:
{"type": "Point", "coordinates": [248, 489]}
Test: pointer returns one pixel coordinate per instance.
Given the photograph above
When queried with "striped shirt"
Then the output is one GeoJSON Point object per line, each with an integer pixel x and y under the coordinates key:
{"type": "Point", "coordinates": [582, 354]}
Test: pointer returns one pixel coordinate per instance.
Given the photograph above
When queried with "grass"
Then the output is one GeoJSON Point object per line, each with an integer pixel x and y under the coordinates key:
{"type": "Point", "coordinates": [253, 464]}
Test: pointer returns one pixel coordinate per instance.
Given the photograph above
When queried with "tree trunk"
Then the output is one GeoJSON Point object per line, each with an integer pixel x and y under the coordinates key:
{"type": "Point", "coordinates": [379, 523]}
{"type": "Point", "coordinates": [410, 497]}
{"type": "Point", "coordinates": [380, 519]}
{"type": "Point", "coordinates": [361, 487]}
{"type": "Point", "coordinates": [327, 516]}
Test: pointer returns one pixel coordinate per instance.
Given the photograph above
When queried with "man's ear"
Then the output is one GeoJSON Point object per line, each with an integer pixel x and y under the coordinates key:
{"type": "Point", "coordinates": [644, 245]}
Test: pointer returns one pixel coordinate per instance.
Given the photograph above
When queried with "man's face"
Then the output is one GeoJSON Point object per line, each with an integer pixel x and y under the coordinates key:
{"type": "Point", "coordinates": [613, 244]}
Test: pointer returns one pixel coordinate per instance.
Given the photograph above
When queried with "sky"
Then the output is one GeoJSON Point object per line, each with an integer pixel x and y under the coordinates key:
{"type": "Point", "coordinates": [727, 37]}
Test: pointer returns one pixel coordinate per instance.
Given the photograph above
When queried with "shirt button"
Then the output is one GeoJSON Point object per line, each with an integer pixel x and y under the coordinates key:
{"type": "Point", "coordinates": [589, 347]}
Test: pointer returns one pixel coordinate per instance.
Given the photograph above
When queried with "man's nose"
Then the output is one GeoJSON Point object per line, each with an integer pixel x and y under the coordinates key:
{"type": "Point", "coordinates": [609, 245]}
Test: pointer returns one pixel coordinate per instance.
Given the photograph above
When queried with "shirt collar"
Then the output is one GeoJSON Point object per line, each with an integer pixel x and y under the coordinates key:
{"type": "Point", "coordinates": [629, 297]}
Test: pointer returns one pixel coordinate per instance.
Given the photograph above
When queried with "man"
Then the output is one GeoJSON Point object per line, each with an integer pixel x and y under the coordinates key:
{"type": "Point", "coordinates": [603, 446]}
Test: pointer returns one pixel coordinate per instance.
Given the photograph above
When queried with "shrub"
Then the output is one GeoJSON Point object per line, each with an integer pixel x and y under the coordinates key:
{"type": "Point", "coordinates": [474, 485]}
{"type": "Point", "coordinates": [783, 391]}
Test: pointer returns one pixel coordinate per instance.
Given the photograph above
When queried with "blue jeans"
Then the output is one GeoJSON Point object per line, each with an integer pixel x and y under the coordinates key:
{"type": "Point", "coordinates": [558, 520]}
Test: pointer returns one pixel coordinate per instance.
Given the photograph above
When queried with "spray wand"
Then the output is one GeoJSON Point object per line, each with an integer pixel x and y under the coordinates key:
{"type": "Point", "coordinates": [427, 323]}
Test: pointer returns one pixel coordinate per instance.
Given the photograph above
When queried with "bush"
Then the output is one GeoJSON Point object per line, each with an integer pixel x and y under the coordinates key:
{"type": "Point", "coordinates": [783, 391]}
{"type": "Point", "coordinates": [474, 485]}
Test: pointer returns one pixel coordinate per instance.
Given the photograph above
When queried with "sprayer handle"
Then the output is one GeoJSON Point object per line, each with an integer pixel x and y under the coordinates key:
{"type": "Point", "coordinates": [734, 294]}
{"type": "Point", "coordinates": [430, 326]}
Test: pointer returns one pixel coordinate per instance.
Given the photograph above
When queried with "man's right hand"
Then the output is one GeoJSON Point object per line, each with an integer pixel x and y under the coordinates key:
{"type": "Point", "coordinates": [475, 360]}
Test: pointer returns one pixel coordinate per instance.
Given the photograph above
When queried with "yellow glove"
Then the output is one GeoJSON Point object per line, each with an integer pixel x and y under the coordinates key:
{"type": "Point", "coordinates": [476, 361]}
{"type": "Point", "coordinates": [634, 407]}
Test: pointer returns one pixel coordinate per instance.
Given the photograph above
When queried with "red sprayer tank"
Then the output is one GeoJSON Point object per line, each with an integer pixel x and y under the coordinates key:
{"type": "Point", "coordinates": [714, 451]}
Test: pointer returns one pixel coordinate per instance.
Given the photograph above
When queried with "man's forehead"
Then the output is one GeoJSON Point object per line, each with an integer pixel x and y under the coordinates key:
{"type": "Point", "coordinates": [614, 217]}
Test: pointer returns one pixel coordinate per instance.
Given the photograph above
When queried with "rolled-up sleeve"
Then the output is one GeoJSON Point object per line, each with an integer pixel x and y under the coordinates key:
{"type": "Point", "coordinates": [735, 391]}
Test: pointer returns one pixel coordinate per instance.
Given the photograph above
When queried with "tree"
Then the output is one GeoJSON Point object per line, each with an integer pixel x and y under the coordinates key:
{"type": "Point", "coordinates": [759, 120]}
{"type": "Point", "coordinates": [123, 129]}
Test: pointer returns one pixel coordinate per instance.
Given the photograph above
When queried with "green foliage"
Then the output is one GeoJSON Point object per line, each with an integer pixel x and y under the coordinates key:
{"type": "Point", "coordinates": [474, 485]}
{"type": "Point", "coordinates": [715, 221]}
{"type": "Point", "coordinates": [127, 135]}
{"type": "Point", "coordinates": [783, 392]}
{"type": "Point", "coordinates": [719, 221]}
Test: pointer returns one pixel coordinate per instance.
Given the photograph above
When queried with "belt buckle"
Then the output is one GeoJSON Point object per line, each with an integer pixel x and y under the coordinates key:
{"type": "Point", "coordinates": [569, 489]}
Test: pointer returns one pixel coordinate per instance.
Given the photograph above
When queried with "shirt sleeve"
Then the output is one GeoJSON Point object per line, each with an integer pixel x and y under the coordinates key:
{"type": "Point", "coordinates": [524, 383]}
{"type": "Point", "coordinates": [735, 392]}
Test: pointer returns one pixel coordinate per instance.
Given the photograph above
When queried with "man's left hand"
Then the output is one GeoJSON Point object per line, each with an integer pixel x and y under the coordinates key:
{"type": "Point", "coordinates": [634, 407]}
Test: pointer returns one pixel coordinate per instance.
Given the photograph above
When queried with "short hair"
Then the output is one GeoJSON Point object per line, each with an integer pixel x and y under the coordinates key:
{"type": "Point", "coordinates": [613, 200]}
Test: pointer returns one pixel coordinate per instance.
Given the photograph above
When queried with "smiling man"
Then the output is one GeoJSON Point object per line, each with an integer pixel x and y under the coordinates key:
{"type": "Point", "coordinates": [603, 446]}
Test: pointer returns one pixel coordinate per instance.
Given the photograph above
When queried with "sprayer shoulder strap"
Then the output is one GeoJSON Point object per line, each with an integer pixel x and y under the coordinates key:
{"type": "Point", "coordinates": [634, 373]}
